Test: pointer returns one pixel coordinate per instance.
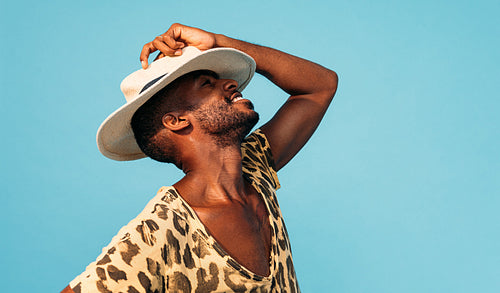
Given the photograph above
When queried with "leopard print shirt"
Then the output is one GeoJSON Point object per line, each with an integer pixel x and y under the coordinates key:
{"type": "Point", "coordinates": [166, 248]}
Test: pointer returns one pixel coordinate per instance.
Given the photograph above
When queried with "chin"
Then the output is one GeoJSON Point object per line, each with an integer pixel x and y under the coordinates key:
{"type": "Point", "coordinates": [229, 124]}
{"type": "Point", "coordinates": [235, 134]}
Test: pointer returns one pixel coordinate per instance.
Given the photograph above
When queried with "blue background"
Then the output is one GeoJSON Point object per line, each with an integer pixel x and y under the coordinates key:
{"type": "Point", "coordinates": [398, 191]}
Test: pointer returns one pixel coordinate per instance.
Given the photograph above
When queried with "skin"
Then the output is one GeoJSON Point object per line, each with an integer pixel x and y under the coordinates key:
{"type": "Point", "coordinates": [214, 185]}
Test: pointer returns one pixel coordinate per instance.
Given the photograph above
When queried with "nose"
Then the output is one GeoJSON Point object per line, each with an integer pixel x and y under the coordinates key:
{"type": "Point", "coordinates": [229, 84]}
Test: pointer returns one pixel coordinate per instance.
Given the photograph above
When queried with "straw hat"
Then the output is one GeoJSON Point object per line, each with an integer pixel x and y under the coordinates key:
{"type": "Point", "coordinates": [115, 138]}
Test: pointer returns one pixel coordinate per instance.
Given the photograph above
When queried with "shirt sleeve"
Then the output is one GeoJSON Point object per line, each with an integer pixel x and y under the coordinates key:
{"type": "Point", "coordinates": [258, 159]}
{"type": "Point", "coordinates": [131, 262]}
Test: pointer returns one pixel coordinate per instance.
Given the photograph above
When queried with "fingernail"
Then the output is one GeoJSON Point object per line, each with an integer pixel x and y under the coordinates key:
{"type": "Point", "coordinates": [144, 64]}
{"type": "Point", "coordinates": [178, 52]}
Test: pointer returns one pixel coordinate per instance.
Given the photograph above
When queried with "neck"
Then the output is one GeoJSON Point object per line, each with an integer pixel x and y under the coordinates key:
{"type": "Point", "coordinates": [213, 174]}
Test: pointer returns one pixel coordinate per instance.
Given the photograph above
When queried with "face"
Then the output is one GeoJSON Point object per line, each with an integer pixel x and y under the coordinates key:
{"type": "Point", "coordinates": [218, 108]}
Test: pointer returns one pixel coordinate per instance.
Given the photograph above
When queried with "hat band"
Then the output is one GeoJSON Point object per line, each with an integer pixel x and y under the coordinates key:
{"type": "Point", "coordinates": [149, 84]}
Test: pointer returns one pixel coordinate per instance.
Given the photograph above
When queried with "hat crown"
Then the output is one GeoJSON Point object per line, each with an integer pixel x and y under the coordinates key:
{"type": "Point", "coordinates": [134, 83]}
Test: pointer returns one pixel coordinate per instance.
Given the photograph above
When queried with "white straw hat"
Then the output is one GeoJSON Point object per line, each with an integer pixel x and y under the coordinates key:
{"type": "Point", "coordinates": [115, 138]}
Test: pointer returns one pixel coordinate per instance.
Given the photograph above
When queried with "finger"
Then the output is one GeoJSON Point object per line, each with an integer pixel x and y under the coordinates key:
{"type": "Point", "coordinates": [159, 56]}
{"type": "Point", "coordinates": [172, 41]}
{"type": "Point", "coordinates": [175, 31]}
{"type": "Point", "coordinates": [146, 51]}
{"type": "Point", "coordinates": [159, 44]}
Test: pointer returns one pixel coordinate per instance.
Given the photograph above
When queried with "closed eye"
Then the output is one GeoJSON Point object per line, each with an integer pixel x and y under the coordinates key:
{"type": "Point", "coordinates": [207, 81]}
{"type": "Point", "coordinates": [206, 78]}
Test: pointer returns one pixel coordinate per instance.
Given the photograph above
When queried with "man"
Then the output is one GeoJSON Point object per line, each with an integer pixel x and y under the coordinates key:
{"type": "Point", "coordinates": [219, 228]}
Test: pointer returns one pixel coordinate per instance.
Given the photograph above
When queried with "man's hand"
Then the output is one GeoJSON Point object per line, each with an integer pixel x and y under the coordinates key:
{"type": "Point", "coordinates": [174, 39]}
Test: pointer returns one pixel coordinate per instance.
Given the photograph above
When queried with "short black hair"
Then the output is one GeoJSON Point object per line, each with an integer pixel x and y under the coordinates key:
{"type": "Point", "coordinates": [147, 122]}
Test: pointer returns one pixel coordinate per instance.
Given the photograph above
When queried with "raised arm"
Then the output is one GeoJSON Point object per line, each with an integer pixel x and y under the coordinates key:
{"type": "Point", "coordinates": [311, 87]}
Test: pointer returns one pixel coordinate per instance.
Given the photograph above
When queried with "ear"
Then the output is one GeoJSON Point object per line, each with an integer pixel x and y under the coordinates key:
{"type": "Point", "coordinates": [174, 121]}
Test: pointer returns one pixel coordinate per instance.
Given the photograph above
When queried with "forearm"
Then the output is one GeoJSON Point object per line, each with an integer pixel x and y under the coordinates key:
{"type": "Point", "coordinates": [294, 75]}
{"type": "Point", "coordinates": [311, 88]}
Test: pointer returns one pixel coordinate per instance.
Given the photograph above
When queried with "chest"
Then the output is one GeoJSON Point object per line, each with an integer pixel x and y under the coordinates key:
{"type": "Point", "coordinates": [243, 231]}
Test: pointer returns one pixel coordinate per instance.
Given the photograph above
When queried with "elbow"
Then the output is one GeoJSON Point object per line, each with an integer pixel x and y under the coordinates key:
{"type": "Point", "coordinates": [334, 81]}
{"type": "Point", "coordinates": [331, 83]}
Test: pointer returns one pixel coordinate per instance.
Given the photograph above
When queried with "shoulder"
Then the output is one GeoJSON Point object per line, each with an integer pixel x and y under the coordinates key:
{"type": "Point", "coordinates": [257, 158]}
{"type": "Point", "coordinates": [256, 142]}
{"type": "Point", "coordinates": [138, 250]}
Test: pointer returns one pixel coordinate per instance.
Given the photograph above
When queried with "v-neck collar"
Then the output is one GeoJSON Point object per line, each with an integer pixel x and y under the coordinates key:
{"type": "Point", "coordinates": [216, 246]}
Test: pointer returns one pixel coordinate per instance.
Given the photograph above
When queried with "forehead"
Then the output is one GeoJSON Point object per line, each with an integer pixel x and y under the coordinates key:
{"type": "Point", "coordinates": [187, 82]}
{"type": "Point", "coordinates": [194, 76]}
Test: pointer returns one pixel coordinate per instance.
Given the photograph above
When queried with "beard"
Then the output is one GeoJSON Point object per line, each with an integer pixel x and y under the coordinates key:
{"type": "Point", "coordinates": [228, 125]}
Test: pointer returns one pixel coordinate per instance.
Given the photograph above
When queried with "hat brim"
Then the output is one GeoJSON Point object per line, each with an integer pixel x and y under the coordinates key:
{"type": "Point", "coordinates": [115, 138]}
